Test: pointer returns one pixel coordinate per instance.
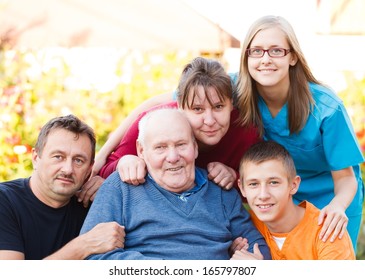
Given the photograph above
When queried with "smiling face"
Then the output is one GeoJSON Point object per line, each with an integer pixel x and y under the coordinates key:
{"type": "Point", "coordinates": [268, 189]}
{"type": "Point", "coordinates": [268, 72]}
{"type": "Point", "coordinates": [169, 150]}
{"type": "Point", "coordinates": [209, 120]}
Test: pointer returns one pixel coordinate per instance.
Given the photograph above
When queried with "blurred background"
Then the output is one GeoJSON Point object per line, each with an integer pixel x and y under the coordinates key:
{"type": "Point", "coordinates": [100, 59]}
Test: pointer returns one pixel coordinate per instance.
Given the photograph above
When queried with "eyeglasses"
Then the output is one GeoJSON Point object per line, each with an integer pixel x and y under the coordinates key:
{"type": "Point", "coordinates": [272, 52]}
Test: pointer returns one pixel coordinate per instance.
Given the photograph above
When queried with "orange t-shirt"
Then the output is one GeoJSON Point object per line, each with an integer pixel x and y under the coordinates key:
{"type": "Point", "coordinates": [303, 243]}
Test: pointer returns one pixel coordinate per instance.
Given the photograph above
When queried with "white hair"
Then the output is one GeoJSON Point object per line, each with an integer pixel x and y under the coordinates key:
{"type": "Point", "coordinates": [143, 123]}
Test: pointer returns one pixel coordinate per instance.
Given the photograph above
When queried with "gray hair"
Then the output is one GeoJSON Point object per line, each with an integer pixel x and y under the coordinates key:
{"type": "Point", "coordinates": [144, 121]}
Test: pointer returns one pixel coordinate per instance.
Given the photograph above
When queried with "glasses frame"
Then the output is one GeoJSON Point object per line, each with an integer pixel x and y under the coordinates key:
{"type": "Point", "coordinates": [286, 51]}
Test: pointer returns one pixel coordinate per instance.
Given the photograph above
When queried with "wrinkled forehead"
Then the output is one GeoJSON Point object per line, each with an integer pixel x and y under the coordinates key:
{"type": "Point", "coordinates": [167, 125]}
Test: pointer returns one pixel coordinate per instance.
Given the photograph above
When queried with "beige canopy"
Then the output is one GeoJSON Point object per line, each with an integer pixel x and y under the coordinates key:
{"type": "Point", "coordinates": [137, 24]}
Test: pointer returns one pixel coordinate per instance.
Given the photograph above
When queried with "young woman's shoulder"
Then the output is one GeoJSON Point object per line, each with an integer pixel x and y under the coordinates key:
{"type": "Point", "coordinates": [234, 77]}
{"type": "Point", "coordinates": [324, 94]}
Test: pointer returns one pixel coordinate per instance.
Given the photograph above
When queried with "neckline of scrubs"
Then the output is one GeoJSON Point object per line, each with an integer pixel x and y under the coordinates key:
{"type": "Point", "coordinates": [277, 124]}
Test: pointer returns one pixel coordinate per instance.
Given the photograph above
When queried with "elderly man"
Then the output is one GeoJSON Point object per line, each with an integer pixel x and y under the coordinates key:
{"type": "Point", "coordinates": [177, 213]}
{"type": "Point", "coordinates": [41, 216]}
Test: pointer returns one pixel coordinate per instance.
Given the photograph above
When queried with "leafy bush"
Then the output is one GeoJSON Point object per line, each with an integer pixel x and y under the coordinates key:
{"type": "Point", "coordinates": [100, 86]}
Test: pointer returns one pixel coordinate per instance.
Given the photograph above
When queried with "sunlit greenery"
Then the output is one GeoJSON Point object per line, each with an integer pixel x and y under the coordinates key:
{"type": "Point", "coordinates": [99, 86]}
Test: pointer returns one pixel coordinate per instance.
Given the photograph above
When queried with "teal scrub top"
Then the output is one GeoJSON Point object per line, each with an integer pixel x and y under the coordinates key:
{"type": "Point", "coordinates": [327, 142]}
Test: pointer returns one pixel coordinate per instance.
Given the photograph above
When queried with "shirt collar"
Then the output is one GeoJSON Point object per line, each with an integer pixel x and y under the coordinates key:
{"type": "Point", "coordinates": [200, 181]}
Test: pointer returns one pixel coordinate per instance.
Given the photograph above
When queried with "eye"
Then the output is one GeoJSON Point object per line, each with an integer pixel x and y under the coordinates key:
{"type": "Point", "coordinates": [274, 182]}
{"type": "Point", "coordinates": [197, 109]}
{"type": "Point", "coordinates": [79, 161]}
{"type": "Point", "coordinates": [57, 157]}
{"type": "Point", "coordinates": [277, 51]}
{"type": "Point", "coordinates": [256, 51]}
{"type": "Point", "coordinates": [181, 145]}
{"type": "Point", "coordinates": [219, 107]}
{"type": "Point", "coordinates": [252, 185]}
{"type": "Point", "coordinates": [160, 147]}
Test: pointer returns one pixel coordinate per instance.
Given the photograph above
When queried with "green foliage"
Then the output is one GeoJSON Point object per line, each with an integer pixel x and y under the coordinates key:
{"type": "Point", "coordinates": [99, 86]}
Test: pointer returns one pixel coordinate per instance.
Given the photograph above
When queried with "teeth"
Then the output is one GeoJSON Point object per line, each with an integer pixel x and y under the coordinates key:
{"type": "Point", "coordinates": [173, 169]}
{"type": "Point", "coordinates": [265, 206]}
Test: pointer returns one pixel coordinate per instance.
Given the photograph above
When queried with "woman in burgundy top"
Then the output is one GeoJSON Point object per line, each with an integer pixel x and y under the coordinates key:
{"type": "Point", "coordinates": [205, 96]}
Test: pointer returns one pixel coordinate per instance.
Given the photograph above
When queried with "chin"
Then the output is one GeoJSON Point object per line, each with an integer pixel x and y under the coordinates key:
{"type": "Point", "coordinates": [213, 141]}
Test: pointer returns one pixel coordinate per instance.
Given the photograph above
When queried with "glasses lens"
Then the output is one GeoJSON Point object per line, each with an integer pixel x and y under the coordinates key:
{"type": "Point", "coordinates": [276, 52]}
{"type": "Point", "coordinates": [254, 52]}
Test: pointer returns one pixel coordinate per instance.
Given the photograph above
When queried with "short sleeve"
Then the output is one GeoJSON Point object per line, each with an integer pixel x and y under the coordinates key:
{"type": "Point", "coordinates": [341, 146]}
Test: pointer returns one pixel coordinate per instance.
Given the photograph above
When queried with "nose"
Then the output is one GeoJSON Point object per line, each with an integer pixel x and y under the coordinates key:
{"type": "Point", "coordinates": [266, 58]}
{"type": "Point", "coordinates": [173, 155]}
{"type": "Point", "coordinates": [264, 194]}
{"type": "Point", "coordinates": [67, 166]}
{"type": "Point", "coordinates": [209, 118]}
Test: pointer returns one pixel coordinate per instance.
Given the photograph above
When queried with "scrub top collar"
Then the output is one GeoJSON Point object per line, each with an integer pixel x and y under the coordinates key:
{"type": "Point", "coordinates": [279, 124]}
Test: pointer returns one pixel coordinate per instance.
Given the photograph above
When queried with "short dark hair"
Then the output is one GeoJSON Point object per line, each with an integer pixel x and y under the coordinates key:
{"type": "Point", "coordinates": [269, 150]}
{"type": "Point", "coordinates": [206, 73]}
{"type": "Point", "coordinates": [70, 123]}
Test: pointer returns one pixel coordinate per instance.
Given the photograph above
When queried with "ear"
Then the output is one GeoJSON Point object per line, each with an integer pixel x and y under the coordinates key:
{"type": "Point", "coordinates": [139, 147]}
{"type": "Point", "coordinates": [295, 185]}
{"type": "Point", "coordinates": [196, 150]}
{"type": "Point", "coordinates": [239, 182]}
{"type": "Point", "coordinates": [293, 60]}
{"type": "Point", "coordinates": [35, 157]}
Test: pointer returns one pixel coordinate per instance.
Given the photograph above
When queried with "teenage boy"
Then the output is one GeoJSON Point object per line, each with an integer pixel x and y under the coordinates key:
{"type": "Point", "coordinates": [268, 180]}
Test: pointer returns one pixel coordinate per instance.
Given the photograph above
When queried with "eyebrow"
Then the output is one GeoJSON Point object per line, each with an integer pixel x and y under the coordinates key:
{"type": "Point", "coordinates": [62, 152]}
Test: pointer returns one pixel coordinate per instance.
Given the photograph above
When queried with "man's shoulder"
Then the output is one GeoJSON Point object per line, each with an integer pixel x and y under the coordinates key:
{"type": "Point", "coordinates": [114, 181]}
{"type": "Point", "coordinates": [310, 209]}
{"type": "Point", "coordinates": [14, 186]}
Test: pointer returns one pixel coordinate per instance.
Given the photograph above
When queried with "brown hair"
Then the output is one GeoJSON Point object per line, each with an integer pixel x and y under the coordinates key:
{"type": "Point", "coordinates": [70, 123]}
{"type": "Point", "coordinates": [268, 150]}
{"type": "Point", "coordinates": [206, 73]}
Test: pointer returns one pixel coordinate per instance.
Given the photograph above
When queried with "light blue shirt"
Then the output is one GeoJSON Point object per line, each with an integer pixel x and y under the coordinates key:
{"type": "Point", "coordinates": [200, 181]}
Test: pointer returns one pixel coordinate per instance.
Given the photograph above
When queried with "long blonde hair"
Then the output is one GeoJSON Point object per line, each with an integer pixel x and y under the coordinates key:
{"type": "Point", "coordinates": [300, 99]}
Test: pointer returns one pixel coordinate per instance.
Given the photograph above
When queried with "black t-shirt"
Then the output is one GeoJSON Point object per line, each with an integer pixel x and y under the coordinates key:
{"type": "Point", "coordinates": [28, 225]}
